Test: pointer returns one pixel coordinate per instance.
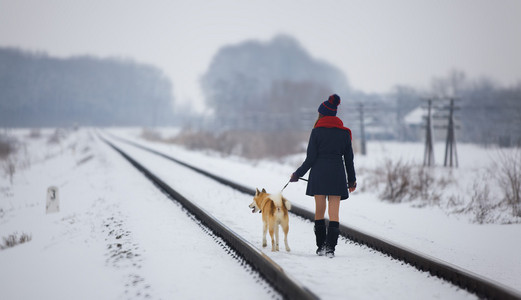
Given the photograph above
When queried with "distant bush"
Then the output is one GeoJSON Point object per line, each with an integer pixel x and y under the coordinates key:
{"type": "Point", "coordinates": [6, 146]}
{"type": "Point", "coordinates": [397, 178]}
{"type": "Point", "coordinates": [13, 240]}
{"type": "Point", "coordinates": [426, 186]}
{"type": "Point", "coordinates": [58, 135]}
{"type": "Point", "coordinates": [247, 144]}
{"type": "Point", "coordinates": [151, 135]}
{"type": "Point", "coordinates": [493, 196]}
{"type": "Point", "coordinates": [35, 133]}
{"type": "Point", "coordinates": [9, 167]}
{"type": "Point", "coordinates": [481, 202]}
{"type": "Point", "coordinates": [507, 171]}
{"type": "Point", "coordinates": [405, 182]}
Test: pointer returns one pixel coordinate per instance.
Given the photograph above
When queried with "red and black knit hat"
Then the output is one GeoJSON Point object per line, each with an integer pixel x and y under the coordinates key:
{"type": "Point", "coordinates": [329, 107]}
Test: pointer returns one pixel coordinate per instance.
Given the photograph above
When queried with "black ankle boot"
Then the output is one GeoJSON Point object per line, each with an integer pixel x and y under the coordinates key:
{"type": "Point", "coordinates": [332, 238]}
{"type": "Point", "coordinates": [320, 234]}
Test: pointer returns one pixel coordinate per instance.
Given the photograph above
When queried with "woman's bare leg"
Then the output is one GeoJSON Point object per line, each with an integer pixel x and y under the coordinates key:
{"type": "Point", "coordinates": [334, 206]}
{"type": "Point", "coordinates": [320, 206]}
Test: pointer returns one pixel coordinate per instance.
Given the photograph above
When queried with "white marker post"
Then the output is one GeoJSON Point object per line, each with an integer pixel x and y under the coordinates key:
{"type": "Point", "coordinates": [53, 201]}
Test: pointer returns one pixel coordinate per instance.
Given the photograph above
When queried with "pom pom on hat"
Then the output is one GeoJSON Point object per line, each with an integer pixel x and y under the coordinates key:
{"type": "Point", "coordinates": [329, 107]}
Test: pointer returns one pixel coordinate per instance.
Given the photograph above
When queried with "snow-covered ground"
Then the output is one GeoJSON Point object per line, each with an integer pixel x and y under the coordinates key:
{"type": "Point", "coordinates": [116, 236]}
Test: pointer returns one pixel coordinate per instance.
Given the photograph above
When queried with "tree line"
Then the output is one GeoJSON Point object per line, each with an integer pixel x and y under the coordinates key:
{"type": "Point", "coordinates": [39, 90]}
{"type": "Point", "coordinates": [277, 86]}
{"type": "Point", "coordinates": [268, 86]}
{"type": "Point", "coordinates": [273, 86]}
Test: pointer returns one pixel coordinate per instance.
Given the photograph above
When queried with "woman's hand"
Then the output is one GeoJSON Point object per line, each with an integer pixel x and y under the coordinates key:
{"type": "Point", "coordinates": [294, 178]}
{"type": "Point", "coordinates": [351, 186]}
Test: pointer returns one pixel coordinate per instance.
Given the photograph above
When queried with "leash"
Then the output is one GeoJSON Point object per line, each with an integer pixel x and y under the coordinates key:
{"type": "Point", "coordinates": [289, 182]}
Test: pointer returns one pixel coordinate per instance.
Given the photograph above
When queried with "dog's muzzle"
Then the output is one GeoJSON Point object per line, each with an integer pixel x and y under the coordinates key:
{"type": "Point", "coordinates": [253, 208]}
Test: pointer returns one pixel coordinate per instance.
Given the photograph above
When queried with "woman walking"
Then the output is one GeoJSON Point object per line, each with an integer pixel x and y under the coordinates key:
{"type": "Point", "coordinates": [329, 156]}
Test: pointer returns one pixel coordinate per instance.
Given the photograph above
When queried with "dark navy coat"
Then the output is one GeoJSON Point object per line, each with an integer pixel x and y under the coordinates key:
{"type": "Point", "coordinates": [329, 156]}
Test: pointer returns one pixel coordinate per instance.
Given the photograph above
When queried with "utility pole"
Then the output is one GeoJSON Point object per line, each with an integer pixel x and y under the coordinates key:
{"type": "Point", "coordinates": [362, 129]}
{"type": "Point", "coordinates": [428, 157]}
{"type": "Point", "coordinates": [450, 145]}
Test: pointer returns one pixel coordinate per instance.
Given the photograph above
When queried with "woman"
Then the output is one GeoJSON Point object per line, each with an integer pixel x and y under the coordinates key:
{"type": "Point", "coordinates": [329, 155]}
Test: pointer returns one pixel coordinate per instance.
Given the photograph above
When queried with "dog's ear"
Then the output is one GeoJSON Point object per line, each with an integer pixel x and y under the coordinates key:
{"type": "Point", "coordinates": [257, 192]}
{"type": "Point", "coordinates": [263, 190]}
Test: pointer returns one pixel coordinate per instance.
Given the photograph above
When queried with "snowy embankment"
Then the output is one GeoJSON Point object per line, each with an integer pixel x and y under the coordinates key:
{"type": "Point", "coordinates": [490, 250]}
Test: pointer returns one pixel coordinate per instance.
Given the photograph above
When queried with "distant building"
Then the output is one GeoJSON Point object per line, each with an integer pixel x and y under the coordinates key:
{"type": "Point", "coordinates": [414, 122]}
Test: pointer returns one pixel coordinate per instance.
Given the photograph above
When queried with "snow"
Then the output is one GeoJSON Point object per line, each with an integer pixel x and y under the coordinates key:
{"type": "Point", "coordinates": [366, 266]}
{"type": "Point", "coordinates": [163, 253]}
{"type": "Point", "coordinates": [431, 230]}
{"type": "Point", "coordinates": [415, 117]}
{"type": "Point", "coordinates": [116, 236]}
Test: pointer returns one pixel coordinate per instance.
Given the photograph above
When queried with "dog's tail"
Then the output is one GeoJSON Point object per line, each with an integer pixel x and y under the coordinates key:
{"type": "Point", "coordinates": [280, 201]}
{"type": "Point", "coordinates": [286, 203]}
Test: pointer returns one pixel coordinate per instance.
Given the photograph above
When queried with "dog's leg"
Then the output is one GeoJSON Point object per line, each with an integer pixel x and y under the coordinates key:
{"type": "Point", "coordinates": [272, 229]}
{"type": "Point", "coordinates": [285, 228]}
{"type": "Point", "coordinates": [277, 237]}
{"type": "Point", "coordinates": [264, 230]}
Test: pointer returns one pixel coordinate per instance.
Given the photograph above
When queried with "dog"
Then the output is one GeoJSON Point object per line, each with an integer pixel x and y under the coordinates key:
{"type": "Point", "coordinates": [274, 209]}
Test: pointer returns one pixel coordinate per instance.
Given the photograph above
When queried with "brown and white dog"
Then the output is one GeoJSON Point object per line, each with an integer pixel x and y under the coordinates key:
{"type": "Point", "coordinates": [274, 209]}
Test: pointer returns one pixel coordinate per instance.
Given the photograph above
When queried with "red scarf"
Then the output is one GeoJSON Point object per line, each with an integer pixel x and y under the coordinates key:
{"type": "Point", "coordinates": [332, 122]}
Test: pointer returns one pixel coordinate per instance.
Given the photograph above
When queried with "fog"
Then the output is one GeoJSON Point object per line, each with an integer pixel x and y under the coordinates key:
{"type": "Point", "coordinates": [260, 65]}
{"type": "Point", "coordinates": [376, 44]}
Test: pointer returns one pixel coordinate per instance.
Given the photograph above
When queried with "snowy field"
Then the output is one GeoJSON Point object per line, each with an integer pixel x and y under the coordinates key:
{"type": "Point", "coordinates": [117, 237]}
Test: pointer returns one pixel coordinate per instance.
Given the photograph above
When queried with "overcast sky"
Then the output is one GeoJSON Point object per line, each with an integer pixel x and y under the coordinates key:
{"type": "Point", "coordinates": [378, 44]}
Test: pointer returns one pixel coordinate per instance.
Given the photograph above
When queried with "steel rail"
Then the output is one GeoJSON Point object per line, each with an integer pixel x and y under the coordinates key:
{"type": "Point", "coordinates": [472, 282]}
{"type": "Point", "coordinates": [271, 271]}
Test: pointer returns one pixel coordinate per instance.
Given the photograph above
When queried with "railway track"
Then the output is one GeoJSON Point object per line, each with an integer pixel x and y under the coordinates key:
{"type": "Point", "coordinates": [273, 273]}
{"type": "Point", "coordinates": [472, 282]}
